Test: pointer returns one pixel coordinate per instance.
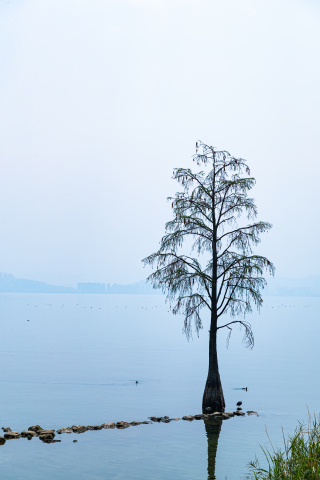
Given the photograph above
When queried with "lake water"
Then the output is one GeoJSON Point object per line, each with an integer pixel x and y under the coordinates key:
{"type": "Point", "coordinates": [77, 359]}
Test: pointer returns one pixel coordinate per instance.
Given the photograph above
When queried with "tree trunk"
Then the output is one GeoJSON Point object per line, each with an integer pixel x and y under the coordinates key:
{"type": "Point", "coordinates": [213, 393]}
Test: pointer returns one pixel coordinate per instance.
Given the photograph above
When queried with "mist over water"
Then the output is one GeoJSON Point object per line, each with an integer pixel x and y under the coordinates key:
{"type": "Point", "coordinates": [78, 357]}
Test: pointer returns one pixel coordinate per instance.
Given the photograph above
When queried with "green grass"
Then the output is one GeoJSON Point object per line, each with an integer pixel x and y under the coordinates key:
{"type": "Point", "coordinates": [300, 459]}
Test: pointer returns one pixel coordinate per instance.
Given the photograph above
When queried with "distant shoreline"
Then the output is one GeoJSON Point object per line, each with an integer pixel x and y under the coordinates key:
{"type": "Point", "coordinates": [277, 287]}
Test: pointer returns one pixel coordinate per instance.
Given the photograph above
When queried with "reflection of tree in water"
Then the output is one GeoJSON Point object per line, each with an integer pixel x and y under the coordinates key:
{"type": "Point", "coordinates": [213, 429]}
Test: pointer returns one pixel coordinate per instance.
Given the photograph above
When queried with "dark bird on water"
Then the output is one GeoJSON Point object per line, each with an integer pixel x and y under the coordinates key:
{"type": "Point", "coordinates": [239, 403]}
{"type": "Point", "coordinates": [137, 381]}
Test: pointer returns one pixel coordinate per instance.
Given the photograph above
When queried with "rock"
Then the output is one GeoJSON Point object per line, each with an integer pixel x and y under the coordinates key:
{"type": "Point", "coordinates": [165, 420]}
{"type": "Point", "coordinates": [251, 412]}
{"type": "Point", "coordinates": [44, 432]}
{"type": "Point", "coordinates": [200, 416]}
{"type": "Point", "coordinates": [28, 433]}
{"type": "Point", "coordinates": [75, 441]}
{"type": "Point", "coordinates": [8, 429]}
{"type": "Point", "coordinates": [156, 419]}
{"type": "Point", "coordinates": [188, 417]}
{"type": "Point", "coordinates": [81, 428]}
{"type": "Point", "coordinates": [122, 424]}
{"type": "Point", "coordinates": [35, 428]}
{"type": "Point", "coordinates": [146, 422]}
{"type": "Point", "coordinates": [47, 437]}
{"type": "Point", "coordinates": [94, 427]}
{"type": "Point", "coordinates": [12, 435]}
{"type": "Point", "coordinates": [239, 414]}
{"type": "Point", "coordinates": [109, 425]}
{"type": "Point", "coordinates": [166, 417]}
{"type": "Point", "coordinates": [2, 440]}
{"type": "Point", "coordinates": [217, 414]}
{"type": "Point", "coordinates": [227, 415]}
{"type": "Point", "coordinates": [134, 423]}
{"type": "Point", "coordinates": [175, 419]}
{"type": "Point", "coordinates": [65, 430]}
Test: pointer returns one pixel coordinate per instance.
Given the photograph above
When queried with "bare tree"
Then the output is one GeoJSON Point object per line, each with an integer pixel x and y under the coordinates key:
{"type": "Point", "coordinates": [221, 273]}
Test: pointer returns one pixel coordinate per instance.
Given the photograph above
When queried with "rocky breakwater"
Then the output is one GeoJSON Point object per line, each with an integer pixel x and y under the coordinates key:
{"type": "Point", "coordinates": [48, 436]}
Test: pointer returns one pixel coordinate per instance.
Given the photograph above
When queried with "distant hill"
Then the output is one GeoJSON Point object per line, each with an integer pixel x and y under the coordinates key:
{"type": "Point", "coordinates": [278, 286]}
{"type": "Point", "coordinates": [293, 287]}
{"type": "Point", "coordinates": [10, 284]}
{"type": "Point", "coordinates": [134, 288]}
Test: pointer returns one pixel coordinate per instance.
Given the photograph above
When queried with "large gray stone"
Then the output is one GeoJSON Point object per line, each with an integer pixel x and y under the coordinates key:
{"type": "Point", "coordinates": [81, 428]}
{"type": "Point", "coordinates": [109, 425]}
{"type": "Point", "coordinates": [28, 433]}
{"type": "Point", "coordinates": [35, 428]}
{"type": "Point", "coordinates": [122, 424]}
{"type": "Point", "coordinates": [65, 430]}
{"type": "Point", "coordinates": [188, 417]}
{"type": "Point", "coordinates": [94, 427]}
{"type": "Point", "coordinates": [12, 435]}
{"type": "Point", "coordinates": [47, 437]}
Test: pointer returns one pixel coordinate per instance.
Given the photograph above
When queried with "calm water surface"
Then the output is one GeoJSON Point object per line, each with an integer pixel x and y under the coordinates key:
{"type": "Point", "coordinates": [77, 359]}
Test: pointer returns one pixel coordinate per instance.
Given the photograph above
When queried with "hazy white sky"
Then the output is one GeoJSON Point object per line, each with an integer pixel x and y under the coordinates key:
{"type": "Point", "coordinates": [100, 99]}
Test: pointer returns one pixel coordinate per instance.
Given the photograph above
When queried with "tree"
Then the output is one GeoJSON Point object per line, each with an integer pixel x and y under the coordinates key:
{"type": "Point", "coordinates": [221, 274]}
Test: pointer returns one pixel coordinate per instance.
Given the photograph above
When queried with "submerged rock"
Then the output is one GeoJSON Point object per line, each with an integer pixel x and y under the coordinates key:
{"type": "Point", "coordinates": [109, 425]}
{"type": "Point", "coordinates": [175, 419]}
{"type": "Point", "coordinates": [2, 440]}
{"type": "Point", "coordinates": [122, 424]}
{"type": "Point", "coordinates": [135, 423]}
{"type": "Point", "coordinates": [12, 435]}
{"type": "Point", "coordinates": [146, 422]}
{"type": "Point", "coordinates": [188, 417]}
{"type": "Point", "coordinates": [251, 412]}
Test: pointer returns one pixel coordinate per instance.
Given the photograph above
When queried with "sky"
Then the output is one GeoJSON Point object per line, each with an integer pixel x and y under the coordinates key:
{"type": "Point", "coordinates": [101, 99]}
